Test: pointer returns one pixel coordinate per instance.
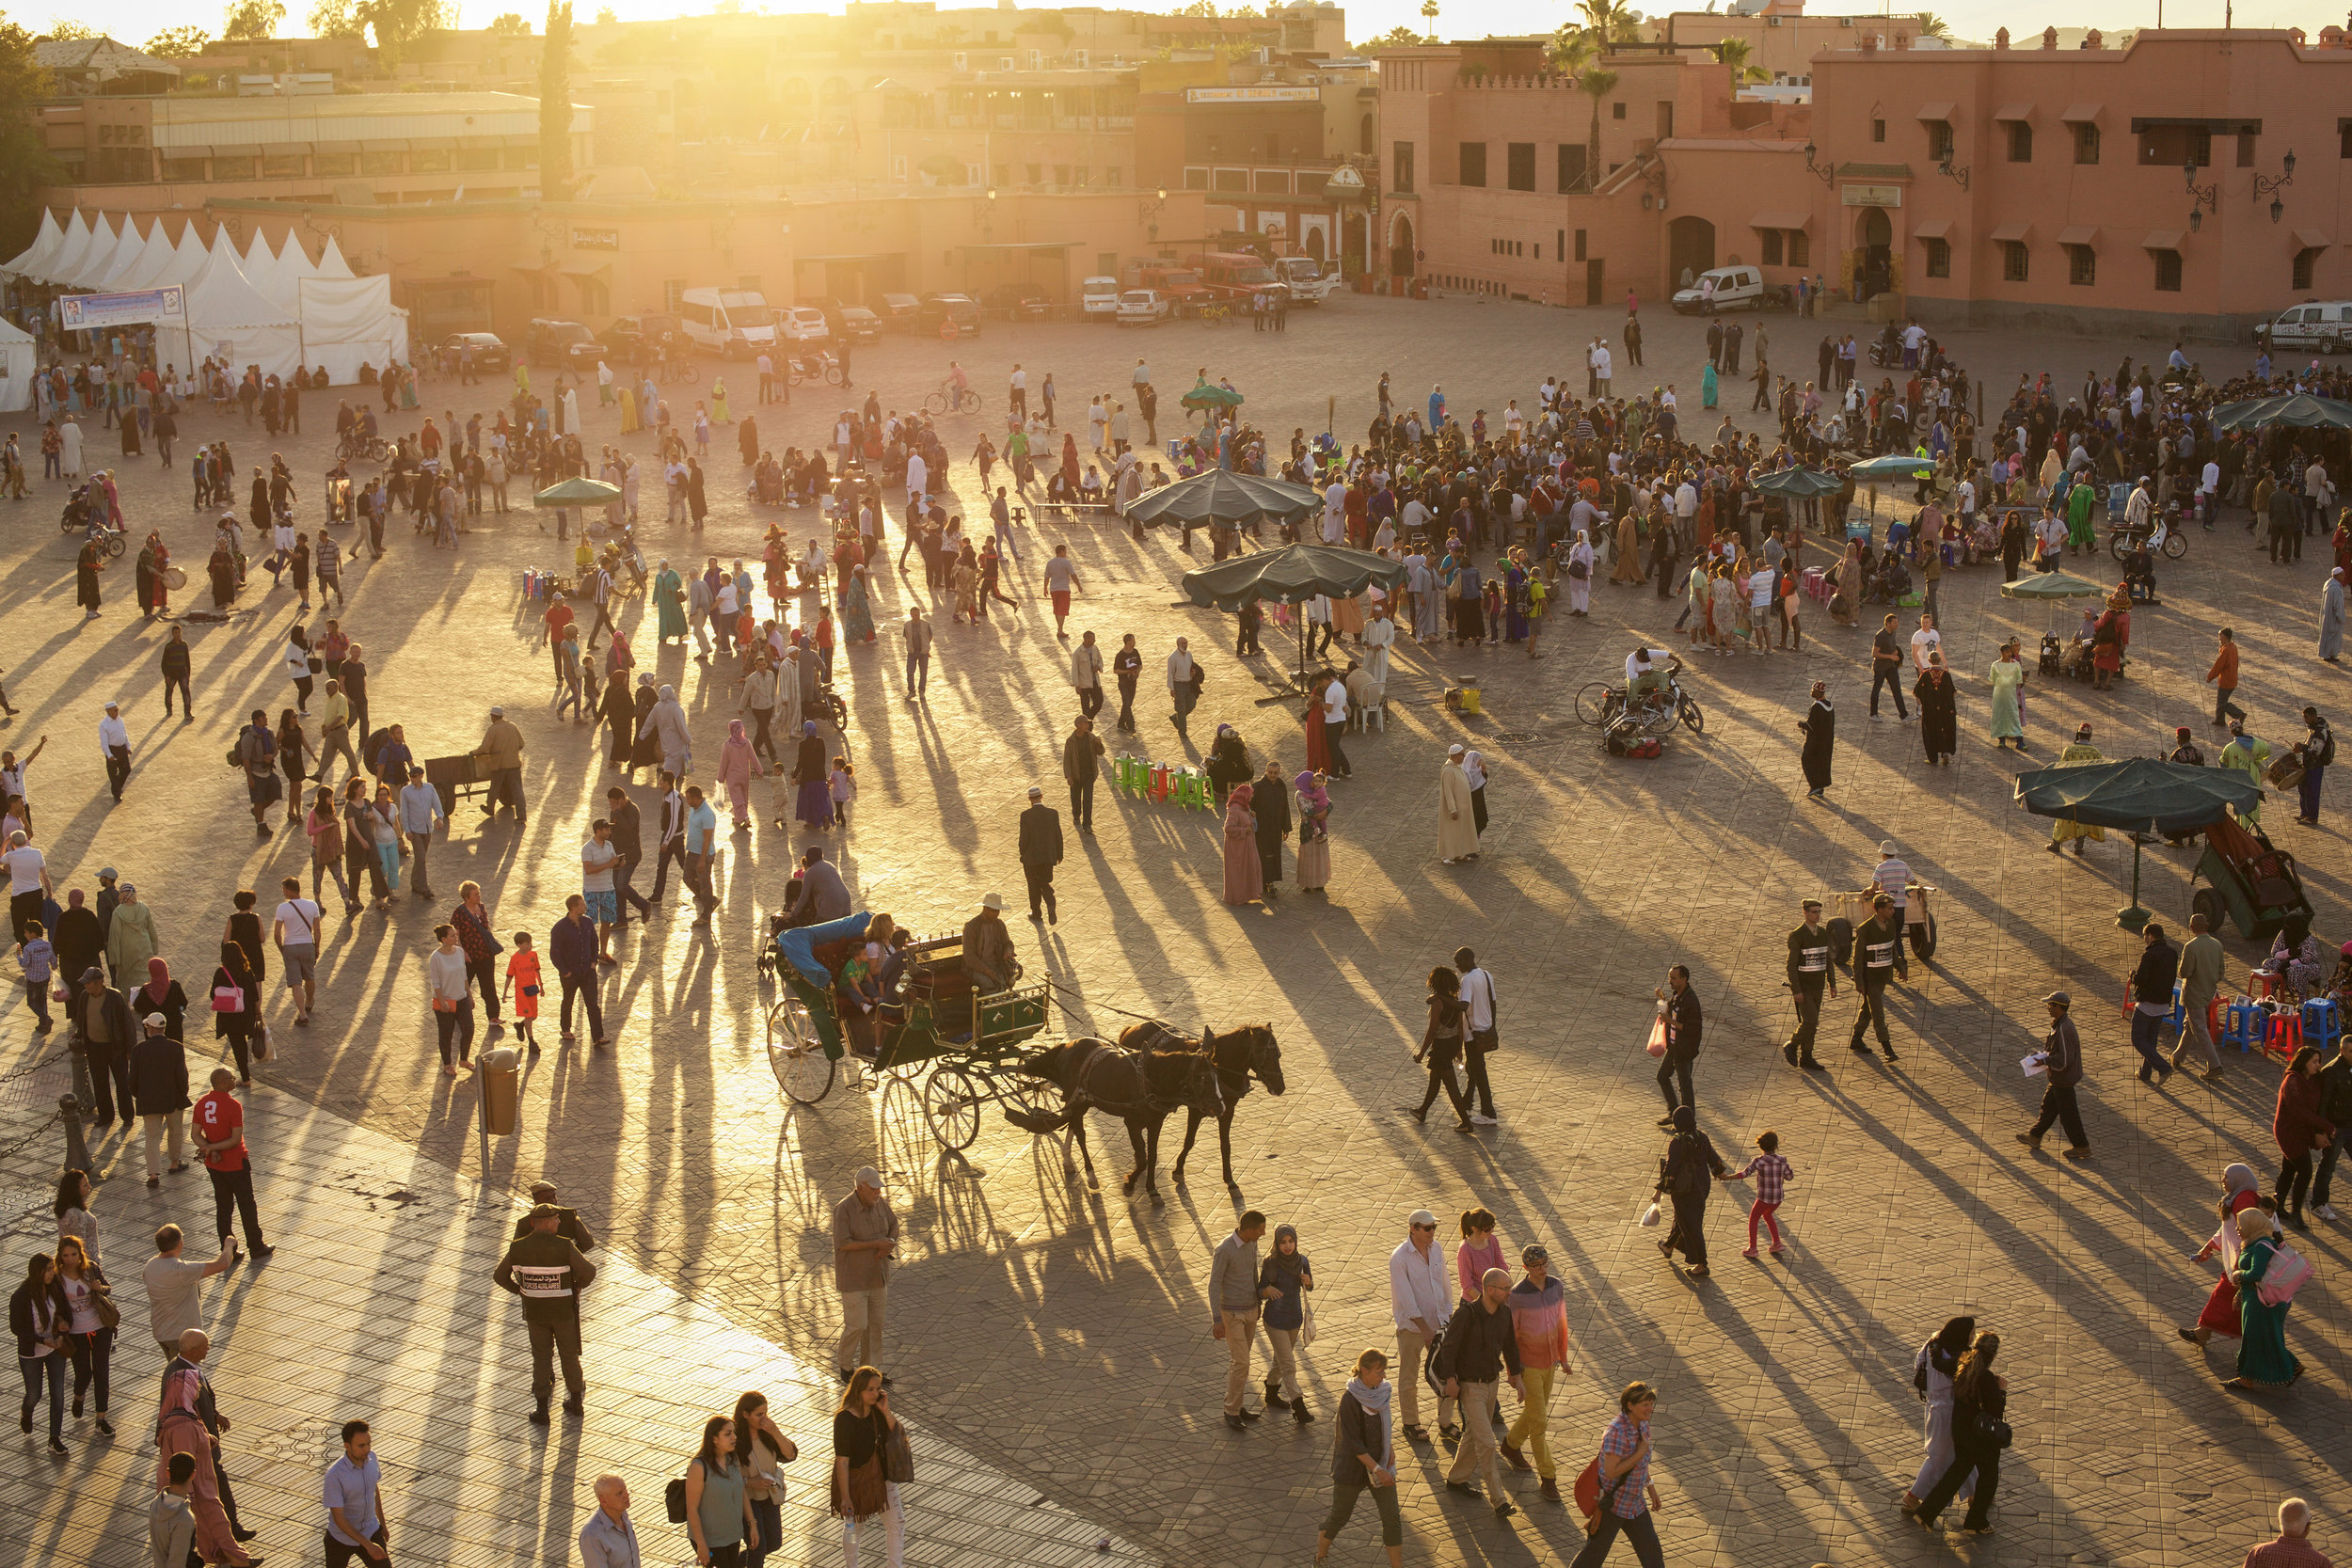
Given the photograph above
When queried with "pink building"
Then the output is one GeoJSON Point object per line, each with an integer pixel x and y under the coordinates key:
{"type": "Point", "coordinates": [2009, 186]}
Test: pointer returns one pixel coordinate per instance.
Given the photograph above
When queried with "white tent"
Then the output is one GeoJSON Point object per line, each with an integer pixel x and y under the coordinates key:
{"type": "Point", "coordinates": [129, 248]}
{"type": "Point", "coordinates": [331, 262]}
{"type": "Point", "coordinates": [91, 264]}
{"type": "Point", "coordinates": [60, 267]}
{"type": "Point", "coordinates": [228, 319]}
{"type": "Point", "coordinates": [347, 322]}
{"type": "Point", "coordinates": [17, 363]}
{"type": "Point", "coordinates": [260, 270]}
{"type": "Point", "coordinates": [166, 262]}
{"type": "Point", "coordinates": [36, 256]}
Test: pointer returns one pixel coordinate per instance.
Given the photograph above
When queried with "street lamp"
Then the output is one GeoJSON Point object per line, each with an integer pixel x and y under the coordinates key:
{"type": "Point", "coordinates": [2264, 185]}
{"type": "Point", "coordinates": [2207, 197]}
{"type": "Point", "coordinates": [1957, 176]}
{"type": "Point", "coordinates": [1825, 173]}
{"type": "Point", "coordinates": [1149, 210]}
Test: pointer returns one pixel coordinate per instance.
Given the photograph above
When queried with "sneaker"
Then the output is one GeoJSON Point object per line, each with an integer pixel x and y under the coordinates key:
{"type": "Point", "coordinates": [2323, 1210]}
{"type": "Point", "coordinates": [1484, 1121]}
{"type": "Point", "coordinates": [539, 1416]}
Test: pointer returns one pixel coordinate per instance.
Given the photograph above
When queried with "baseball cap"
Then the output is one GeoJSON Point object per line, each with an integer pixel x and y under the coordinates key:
{"type": "Point", "coordinates": [868, 1177]}
{"type": "Point", "coordinates": [1421, 1216]}
{"type": "Point", "coordinates": [2060, 998]}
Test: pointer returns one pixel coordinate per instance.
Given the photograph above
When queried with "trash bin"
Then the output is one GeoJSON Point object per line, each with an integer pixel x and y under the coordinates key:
{"type": "Point", "coordinates": [500, 1074]}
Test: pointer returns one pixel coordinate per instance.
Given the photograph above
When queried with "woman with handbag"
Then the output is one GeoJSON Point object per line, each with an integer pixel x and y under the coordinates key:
{"type": "Point", "coordinates": [764, 1452]}
{"type": "Point", "coordinates": [718, 1503]}
{"type": "Point", "coordinates": [1932, 1371]}
{"type": "Point", "coordinates": [1441, 1045]}
{"type": "Point", "coordinates": [1581, 574]}
{"type": "Point", "coordinates": [236, 1005]}
{"type": "Point", "coordinates": [1363, 1457]}
{"type": "Point", "coordinates": [72, 1207]}
{"type": "Point", "coordinates": [1979, 1435]}
{"type": "Point", "coordinates": [37, 1315]}
{"type": "Point", "coordinates": [862, 1431]}
{"type": "Point", "coordinates": [92, 1319]}
{"type": "Point", "coordinates": [446, 976]}
{"type": "Point", "coordinates": [1684, 1176]}
{"type": "Point", "coordinates": [294, 757]}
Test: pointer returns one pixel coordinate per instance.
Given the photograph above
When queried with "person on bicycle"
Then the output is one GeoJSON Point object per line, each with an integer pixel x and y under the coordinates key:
{"type": "Point", "coordinates": [958, 380]}
{"type": "Point", "coordinates": [1649, 674]}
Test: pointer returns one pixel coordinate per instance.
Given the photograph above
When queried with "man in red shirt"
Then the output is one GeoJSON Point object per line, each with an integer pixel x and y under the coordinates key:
{"type": "Point", "coordinates": [2294, 1548]}
{"type": "Point", "coordinates": [220, 1133]}
{"type": "Point", "coordinates": [559, 616]}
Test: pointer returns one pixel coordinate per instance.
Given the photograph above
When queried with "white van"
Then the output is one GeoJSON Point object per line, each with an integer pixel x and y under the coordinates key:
{"type": "Point", "coordinates": [1098, 297]}
{"type": "Point", "coordinates": [1308, 283]}
{"type": "Point", "coordinates": [1731, 289]}
{"type": "Point", "coordinates": [2325, 326]}
{"type": "Point", "coordinates": [735, 324]}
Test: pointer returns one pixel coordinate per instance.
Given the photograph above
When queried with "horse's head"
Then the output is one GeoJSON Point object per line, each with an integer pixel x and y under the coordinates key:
{"type": "Point", "coordinates": [1253, 1049]}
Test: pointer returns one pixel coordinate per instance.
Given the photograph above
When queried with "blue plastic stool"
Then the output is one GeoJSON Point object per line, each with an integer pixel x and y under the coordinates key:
{"type": "Point", "coordinates": [2180, 1010]}
{"type": "Point", "coordinates": [2242, 1025]}
{"type": "Point", "coordinates": [2323, 1022]}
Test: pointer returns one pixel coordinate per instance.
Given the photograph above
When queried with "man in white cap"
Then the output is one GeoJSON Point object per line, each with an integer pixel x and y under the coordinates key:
{"type": "Point", "coordinates": [865, 1240]}
{"type": "Point", "coordinates": [501, 754]}
{"type": "Point", "coordinates": [1421, 1299]}
{"type": "Point", "coordinates": [1892, 877]}
{"type": "Point", "coordinates": [988, 958]}
{"type": "Point", "coordinates": [114, 741]}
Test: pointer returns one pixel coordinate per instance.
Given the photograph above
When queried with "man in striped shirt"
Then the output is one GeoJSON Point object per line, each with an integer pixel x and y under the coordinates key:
{"type": "Point", "coordinates": [1892, 878]}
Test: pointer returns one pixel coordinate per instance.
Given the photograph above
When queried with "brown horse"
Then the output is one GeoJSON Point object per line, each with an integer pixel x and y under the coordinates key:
{"type": "Point", "coordinates": [1249, 1052]}
{"type": "Point", "coordinates": [1140, 1087]}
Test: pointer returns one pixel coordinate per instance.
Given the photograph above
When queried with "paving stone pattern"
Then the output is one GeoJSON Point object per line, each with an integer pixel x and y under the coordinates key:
{"type": "Point", "coordinates": [1057, 1333]}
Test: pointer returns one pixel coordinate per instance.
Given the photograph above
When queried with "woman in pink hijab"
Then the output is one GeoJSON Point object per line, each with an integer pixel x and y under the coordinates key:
{"type": "Point", "coordinates": [182, 1430]}
{"type": "Point", "coordinates": [1244, 874]}
{"type": "Point", "coordinates": [738, 764]}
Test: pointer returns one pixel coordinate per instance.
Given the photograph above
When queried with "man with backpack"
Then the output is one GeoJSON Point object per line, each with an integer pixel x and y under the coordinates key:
{"type": "Point", "coordinates": [257, 753]}
{"type": "Point", "coordinates": [2316, 752]}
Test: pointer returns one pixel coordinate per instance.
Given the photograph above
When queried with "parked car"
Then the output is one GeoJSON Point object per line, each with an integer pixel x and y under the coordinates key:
{"type": "Point", "coordinates": [1733, 288]}
{"type": "Point", "coordinates": [1144, 307]}
{"type": "Point", "coordinates": [1098, 299]}
{"type": "Point", "coordinates": [803, 323]}
{"type": "Point", "coordinates": [489, 351]}
{"type": "Point", "coordinates": [2325, 326]}
{"type": "Point", "coordinates": [1020, 301]}
{"type": "Point", "coordinates": [939, 309]}
{"type": "Point", "coordinates": [563, 342]}
{"type": "Point", "coordinates": [633, 337]}
{"type": "Point", "coordinates": [899, 313]}
{"type": "Point", "coordinates": [853, 324]}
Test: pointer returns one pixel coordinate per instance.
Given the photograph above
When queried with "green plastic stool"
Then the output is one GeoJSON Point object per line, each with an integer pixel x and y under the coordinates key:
{"type": "Point", "coordinates": [1192, 789]}
{"type": "Point", "coordinates": [1132, 773]}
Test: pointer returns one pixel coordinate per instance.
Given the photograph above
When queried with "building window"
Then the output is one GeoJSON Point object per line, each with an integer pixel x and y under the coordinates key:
{"type": "Point", "coordinates": [1939, 140]}
{"type": "Point", "coordinates": [1473, 163]}
{"type": "Point", "coordinates": [1617, 111]}
{"type": "Point", "coordinates": [1771, 246]}
{"type": "Point", "coordinates": [2168, 271]}
{"type": "Point", "coordinates": [1580, 245]}
{"type": "Point", "coordinates": [2085, 142]}
{"type": "Point", "coordinates": [380, 163]}
{"type": "Point", "coordinates": [324, 164]}
{"type": "Point", "coordinates": [1665, 119]}
{"type": "Point", "coordinates": [1800, 248]}
{"type": "Point", "coordinates": [477, 157]}
{"type": "Point", "coordinates": [184, 168]}
{"type": "Point", "coordinates": [672, 294]}
{"type": "Point", "coordinates": [235, 168]}
{"type": "Point", "coordinates": [2082, 265]}
{"type": "Point", "coordinates": [523, 158]}
{"type": "Point", "coordinates": [1521, 172]}
{"type": "Point", "coordinates": [2305, 262]}
{"type": "Point", "coordinates": [2013, 261]}
{"type": "Point", "coordinates": [2020, 142]}
{"type": "Point", "coordinates": [2246, 150]}
{"type": "Point", "coordinates": [1401, 167]}
{"type": "Point", "coordinates": [1939, 258]}
{"type": "Point", "coordinates": [596, 297]}
{"type": "Point", "coordinates": [281, 165]}
{"type": "Point", "coordinates": [1878, 130]}
{"type": "Point", "coordinates": [1572, 166]}
{"type": "Point", "coordinates": [429, 160]}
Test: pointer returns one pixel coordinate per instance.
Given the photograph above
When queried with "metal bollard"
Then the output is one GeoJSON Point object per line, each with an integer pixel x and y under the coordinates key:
{"type": "Point", "coordinates": [77, 1151]}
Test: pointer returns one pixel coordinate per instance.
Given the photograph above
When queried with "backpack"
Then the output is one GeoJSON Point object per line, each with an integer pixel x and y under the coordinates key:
{"type": "Point", "coordinates": [2289, 1272]}
{"type": "Point", "coordinates": [673, 1500]}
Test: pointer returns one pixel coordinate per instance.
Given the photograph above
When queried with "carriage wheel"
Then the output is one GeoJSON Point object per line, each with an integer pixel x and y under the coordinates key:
{"type": "Point", "coordinates": [803, 1072]}
{"type": "Point", "coordinates": [906, 1073]}
{"type": "Point", "coordinates": [2205, 901]}
{"type": "Point", "coordinates": [951, 1103]}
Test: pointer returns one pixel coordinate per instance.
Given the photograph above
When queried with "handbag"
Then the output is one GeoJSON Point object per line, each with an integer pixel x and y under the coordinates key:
{"type": "Point", "coordinates": [2288, 1272]}
{"type": "Point", "coordinates": [897, 1457]}
{"type": "Point", "coordinates": [228, 999]}
{"type": "Point", "coordinates": [102, 1300]}
{"type": "Point", "coordinates": [1577, 570]}
{"type": "Point", "coordinates": [260, 1047]}
{"type": "Point", "coordinates": [1991, 1429]}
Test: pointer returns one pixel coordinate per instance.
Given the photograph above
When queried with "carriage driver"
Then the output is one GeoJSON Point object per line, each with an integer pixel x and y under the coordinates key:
{"type": "Point", "coordinates": [988, 959]}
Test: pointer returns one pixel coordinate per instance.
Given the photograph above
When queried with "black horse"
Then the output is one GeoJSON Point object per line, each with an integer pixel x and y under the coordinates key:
{"type": "Point", "coordinates": [1140, 1087]}
{"type": "Point", "coordinates": [1249, 1052]}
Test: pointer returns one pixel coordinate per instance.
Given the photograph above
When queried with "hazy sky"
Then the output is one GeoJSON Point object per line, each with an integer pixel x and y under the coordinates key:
{"type": "Point", "coordinates": [135, 21]}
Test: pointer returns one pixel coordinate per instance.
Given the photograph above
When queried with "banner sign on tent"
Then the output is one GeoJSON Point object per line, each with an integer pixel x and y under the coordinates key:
{"type": "Point", "coordinates": [85, 313]}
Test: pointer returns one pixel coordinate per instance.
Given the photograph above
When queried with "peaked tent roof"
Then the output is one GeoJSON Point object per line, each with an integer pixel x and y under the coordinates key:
{"type": "Point", "coordinates": [11, 333]}
{"type": "Point", "coordinates": [129, 247]}
{"type": "Point", "coordinates": [167, 262]}
{"type": "Point", "coordinates": [220, 296]}
{"type": "Point", "coordinates": [261, 269]}
{"type": "Point", "coordinates": [36, 254]}
{"type": "Point", "coordinates": [78, 236]}
{"type": "Point", "coordinates": [331, 262]}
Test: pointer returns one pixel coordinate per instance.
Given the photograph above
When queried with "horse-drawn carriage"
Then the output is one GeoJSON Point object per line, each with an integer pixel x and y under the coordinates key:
{"type": "Point", "coordinates": [969, 1041]}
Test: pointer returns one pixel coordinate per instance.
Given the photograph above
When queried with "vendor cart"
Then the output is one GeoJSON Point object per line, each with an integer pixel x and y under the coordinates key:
{"type": "Point", "coordinates": [2247, 879]}
{"type": "Point", "coordinates": [1848, 909]}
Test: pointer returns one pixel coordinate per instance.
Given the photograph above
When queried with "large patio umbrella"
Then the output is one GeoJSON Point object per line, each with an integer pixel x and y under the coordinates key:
{"type": "Point", "coordinates": [1893, 466]}
{"type": "Point", "coordinates": [1204, 395]}
{"type": "Point", "coordinates": [578, 491]}
{"type": "Point", "coordinates": [1292, 575]}
{"type": "Point", "coordinates": [1220, 495]}
{"type": "Point", "coordinates": [2053, 585]}
{"type": "Point", "coordinates": [2141, 796]}
{"type": "Point", "coordinates": [1799, 485]}
{"type": "Point", "coordinates": [2300, 410]}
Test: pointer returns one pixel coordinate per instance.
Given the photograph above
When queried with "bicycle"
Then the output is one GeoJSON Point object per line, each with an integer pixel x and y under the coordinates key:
{"type": "Point", "coordinates": [1601, 704]}
{"type": "Point", "coordinates": [1215, 314]}
{"type": "Point", "coordinates": [367, 449]}
{"type": "Point", "coordinates": [952, 399]}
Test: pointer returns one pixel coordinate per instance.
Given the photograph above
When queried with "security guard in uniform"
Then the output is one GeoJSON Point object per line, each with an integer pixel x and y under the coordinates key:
{"type": "Point", "coordinates": [1878, 957]}
{"type": "Point", "coordinates": [549, 1273]}
{"type": "Point", "coordinates": [568, 1226]}
{"type": "Point", "coordinates": [1809, 971]}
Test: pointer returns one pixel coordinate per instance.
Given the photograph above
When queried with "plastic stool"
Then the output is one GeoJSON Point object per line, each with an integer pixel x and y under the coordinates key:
{"type": "Point", "coordinates": [1191, 787]}
{"type": "Point", "coordinates": [2261, 984]}
{"type": "Point", "coordinates": [2286, 1036]}
{"type": "Point", "coordinates": [1161, 777]}
{"type": "Point", "coordinates": [2179, 1020]}
{"type": "Point", "coordinates": [2241, 1025]}
{"type": "Point", "coordinates": [1133, 772]}
{"type": "Point", "coordinates": [2322, 1021]}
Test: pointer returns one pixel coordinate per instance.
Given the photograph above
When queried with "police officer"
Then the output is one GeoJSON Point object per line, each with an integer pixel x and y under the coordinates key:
{"type": "Point", "coordinates": [1809, 971]}
{"type": "Point", "coordinates": [549, 1273]}
{"type": "Point", "coordinates": [1878, 956]}
{"type": "Point", "coordinates": [568, 1225]}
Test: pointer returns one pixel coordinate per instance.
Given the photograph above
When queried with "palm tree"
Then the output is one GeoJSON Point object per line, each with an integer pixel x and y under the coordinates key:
{"type": "Point", "coordinates": [1596, 85]}
{"type": "Point", "coordinates": [1931, 26]}
{"type": "Point", "coordinates": [1568, 50]}
{"type": "Point", "coordinates": [1429, 9]}
{"type": "Point", "coordinates": [1736, 53]}
{"type": "Point", "coordinates": [1607, 21]}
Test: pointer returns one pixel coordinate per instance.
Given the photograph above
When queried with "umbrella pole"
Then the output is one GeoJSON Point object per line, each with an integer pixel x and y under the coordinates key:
{"type": "Point", "coordinates": [2134, 918]}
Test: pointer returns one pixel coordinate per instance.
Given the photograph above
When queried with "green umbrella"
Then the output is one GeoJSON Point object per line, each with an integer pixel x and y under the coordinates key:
{"type": "Point", "coordinates": [1220, 495]}
{"type": "Point", "coordinates": [1292, 575]}
{"type": "Point", "coordinates": [1203, 395]}
{"type": "Point", "coordinates": [2300, 409]}
{"type": "Point", "coordinates": [1893, 466]}
{"type": "Point", "coordinates": [578, 492]}
{"type": "Point", "coordinates": [2053, 585]}
{"type": "Point", "coordinates": [2141, 796]}
{"type": "Point", "coordinates": [1799, 483]}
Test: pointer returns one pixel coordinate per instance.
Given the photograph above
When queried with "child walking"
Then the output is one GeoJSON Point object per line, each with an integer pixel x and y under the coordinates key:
{"type": "Point", "coordinates": [37, 960]}
{"type": "Point", "coordinates": [843, 783]}
{"type": "Point", "coordinates": [1773, 1173]}
{"type": "Point", "coordinates": [522, 988]}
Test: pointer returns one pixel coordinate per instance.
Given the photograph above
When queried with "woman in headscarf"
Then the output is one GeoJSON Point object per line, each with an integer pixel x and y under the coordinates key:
{"type": "Point", "coordinates": [1581, 575]}
{"type": "Point", "coordinates": [738, 764]}
{"type": "Point", "coordinates": [1939, 710]}
{"type": "Point", "coordinates": [811, 773]}
{"type": "Point", "coordinates": [1458, 822]}
{"type": "Point", "coordinates": [1685, 1177]}
{"type": "Point", "coordinates": [747, 440]}
{"type": "Point", "coordinates": [2007, 676]}
{"type": "Point", "coordinates": [1314, 831]}
{"type": "Point", "coordinates": [604, 384]}
{"type": "Point", "coordinates": [619, 657]}
{"type": "Point", "coordinates": [235, 1024]}
{"type": "Point", "coordinates": [1848, 598]}
{"type": "Point", "coordinates": [1244, 882]}
{"type": "Point", "coordinates": [1363, 1458]}
{"type": "Point", "coordinates": [1069, 463]}
{"type": "Point", "coordinates": [570, 402]}
{"type": "Point", "coordinates": [1287, 1272]}
{"type": "Point", "coordinates": [1515, 629]}
{"type": "Point", "coordinates": [1270, 803]}
{"type": "Point", "coordinates": [669, 598]}
{"type": "Point", "coordinates": [1228, 763]}
{"type": "Point", "coordinates": [1820, 725]}
{"type": "Point", "coordinates": [180, 1430]}
{"type": "Point", "coordinates": [619, 714]}
{"type": "Point", "coordinates": [2241, 1190]}
{"type": "Point", "coordinates": [630, 423]}
{"type": "Point", "coordinates": [1318, 742]}
{"type": "Point", "coordinates": [857, 616]}
{"type": "Point", "coordinates": [1932, 1373]}
{"type": "Point", "coordinates": [646, 749]}
{"type": "Point", "coordinates": [718, 411]}
{"type": "Point", "coordinates": [162, 994]}
{"type": "Point", "coordinates": [2082, 751]}
{"type": "Point", "coordinates": [1475, 770]}
{"type": "Point", "coordinates": [2264, 1360]}
{"type": "Point", "coordinates": [1628, 551]}
{"type": "Point", "coordinates": [2109, 636]}
{"type": "Point", "coordinates": [1709, 386]}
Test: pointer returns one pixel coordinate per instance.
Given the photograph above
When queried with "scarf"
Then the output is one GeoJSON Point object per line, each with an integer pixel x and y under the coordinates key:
{"type": "Point", "coordinates": [1378, 1399]}
{"type": "Point", "coordinates": [159, 981]}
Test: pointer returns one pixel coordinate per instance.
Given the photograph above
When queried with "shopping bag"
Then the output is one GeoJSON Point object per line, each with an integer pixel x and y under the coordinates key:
{"type": "Point", "coordinates": [1649, 1216]}
{"type": "Point", "coordinates": [1657, 1037]}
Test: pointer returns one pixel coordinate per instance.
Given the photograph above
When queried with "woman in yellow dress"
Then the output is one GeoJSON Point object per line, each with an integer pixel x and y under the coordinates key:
{"type": "Point", "coordinates": [719, 413]}
{"type": "Point", "coordinates": [630, 420]}
{"type": "Point", "coordinates": [2082, 751]}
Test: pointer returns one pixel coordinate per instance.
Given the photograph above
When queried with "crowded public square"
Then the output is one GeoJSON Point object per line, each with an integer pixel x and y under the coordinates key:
{"type": "Point", "coordinates": [1442, 885]}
